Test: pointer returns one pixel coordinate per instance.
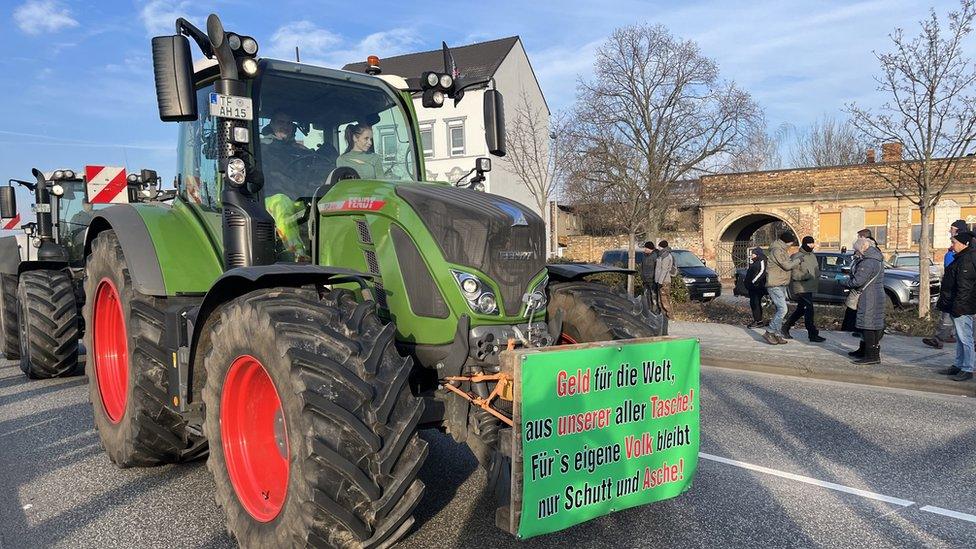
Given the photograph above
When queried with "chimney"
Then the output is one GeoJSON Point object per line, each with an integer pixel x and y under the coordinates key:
{"type": "Point", "coordinates": [870, 159]}
{"type": "Point", "coordinates": [891, 152]}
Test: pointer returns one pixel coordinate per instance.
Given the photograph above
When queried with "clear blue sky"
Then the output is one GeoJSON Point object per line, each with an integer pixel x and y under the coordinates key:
{"type": "Point", "coordinates": [78, 88]}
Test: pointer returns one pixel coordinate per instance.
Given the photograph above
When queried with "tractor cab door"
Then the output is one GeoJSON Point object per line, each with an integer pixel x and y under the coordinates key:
{"type": "Point", "coordinates": [199, 181]}
{"type": "Point", "coordinates": [74, 215]}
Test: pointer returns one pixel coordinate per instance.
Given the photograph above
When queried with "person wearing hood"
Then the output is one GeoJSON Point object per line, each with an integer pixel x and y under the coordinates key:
{"type": "Point", "coordinates": [778, 275]}
{"type": "Point", "coordinates": [755, 283]}
{"type": "Point", "coordinates": [958, 299]}
{"type": "Point", "coordinates": [867, 276]}
{"type": "Point", "coordinates": [806, 279]}
{"type": "Point", "coordinates": [664, 269]}
{"type": "Point", "coordinates": [945, 330]}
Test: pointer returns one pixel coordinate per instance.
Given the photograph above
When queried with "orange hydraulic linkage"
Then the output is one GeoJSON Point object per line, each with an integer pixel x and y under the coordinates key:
{"type": "Point", "coordinates": [503, 386]}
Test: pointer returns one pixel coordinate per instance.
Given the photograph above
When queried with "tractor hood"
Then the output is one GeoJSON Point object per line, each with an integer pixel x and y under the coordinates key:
{"type": "Point", "coordinates": [495, 235]}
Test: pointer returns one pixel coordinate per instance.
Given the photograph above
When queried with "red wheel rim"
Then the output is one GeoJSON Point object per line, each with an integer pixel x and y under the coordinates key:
{"type": "Point", "coordinates": [254, 438]}
{"type": "Point", "coordinates": [111, 353]}
{"type": "Point", "coordinates": [566, 339]}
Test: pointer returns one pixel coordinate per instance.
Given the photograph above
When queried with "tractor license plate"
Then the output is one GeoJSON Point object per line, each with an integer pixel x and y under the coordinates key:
{"type": "Point", "coordinates": [41, 208]}
{"type": "Point", "coordinates": [708, 294]}
{"type": "Point", "coordinates": [231, 106]}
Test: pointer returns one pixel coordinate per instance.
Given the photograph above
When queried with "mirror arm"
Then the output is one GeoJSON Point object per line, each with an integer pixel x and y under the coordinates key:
{"type": "Point", "coordinates": [30, 186]}
{"type": "Point", "coordinates": [185, 27]}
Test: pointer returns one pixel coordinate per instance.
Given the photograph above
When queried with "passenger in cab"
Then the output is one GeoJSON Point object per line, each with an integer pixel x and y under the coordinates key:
{"type": "Point", "coordinates": [359, 153]}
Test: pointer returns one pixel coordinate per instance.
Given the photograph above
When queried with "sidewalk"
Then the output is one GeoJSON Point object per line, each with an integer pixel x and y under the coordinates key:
{"type": "Point", "coordinates": [906, 362]}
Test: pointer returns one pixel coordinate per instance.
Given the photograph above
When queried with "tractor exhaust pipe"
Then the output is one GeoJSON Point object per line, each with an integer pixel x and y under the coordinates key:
{"type": "Point", "coordinates": [48, 250]}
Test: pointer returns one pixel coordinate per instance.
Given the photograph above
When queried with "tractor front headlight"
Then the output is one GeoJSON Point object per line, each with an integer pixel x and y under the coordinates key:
{"type": "Point", "coordinates": [57, 190]}
{"type": "Point", "coordinates": [487, 304]}
{"type": "Point", "coordinates": [476, 292]}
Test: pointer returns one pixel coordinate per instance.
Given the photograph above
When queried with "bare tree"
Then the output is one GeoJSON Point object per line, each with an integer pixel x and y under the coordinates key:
{"type": "Point", "coordinates": [535, 149]}
{"type": "Point", "coordinates": [826, 142]}
{"type": "Point", "coordinates": [761, 151]}
{"type": "Point", "coordinates": [657, 104]}
{"type": "Point", "coordinates": [930, 110]}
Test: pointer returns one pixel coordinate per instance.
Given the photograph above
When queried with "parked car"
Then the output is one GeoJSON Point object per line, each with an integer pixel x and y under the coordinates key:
{"type": "Point", "coordinates": [908, 261]}
{"type": "Point", "coordinates": [901, 285]}
{"type": "Point", "coordinates": [702, 282]}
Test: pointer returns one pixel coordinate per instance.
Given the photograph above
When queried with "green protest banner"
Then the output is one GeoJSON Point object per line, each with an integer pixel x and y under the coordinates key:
{"type": "Point", "coordinates": [603, 427]}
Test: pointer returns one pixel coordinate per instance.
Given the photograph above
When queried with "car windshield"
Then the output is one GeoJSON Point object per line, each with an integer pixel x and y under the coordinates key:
{"type": "Point", "coordinates": [308, 127]}
{"type": "Point", "coordinates": [684, 258]}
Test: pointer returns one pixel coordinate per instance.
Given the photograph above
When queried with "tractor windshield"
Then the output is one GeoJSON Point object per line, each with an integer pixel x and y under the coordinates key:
{"type": "Point", "coordinates": [310, 126]}
{"type": "Point", "coordinates": [74, 215]}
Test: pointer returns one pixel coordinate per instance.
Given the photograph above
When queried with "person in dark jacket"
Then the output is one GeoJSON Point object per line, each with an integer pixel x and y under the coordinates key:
{"type": "Point", "coordinates": [945, 330]}
{"type": "Point", "coordinates": [806, 280]}
{"type": "Point", "coordinates": [958, 298]}
{"type": "Point", "coordinates": [755, 283]}
{"type": "Point", "coordinates": [647, 267]}
{"type": "Point", "coordinates": [867, 276]}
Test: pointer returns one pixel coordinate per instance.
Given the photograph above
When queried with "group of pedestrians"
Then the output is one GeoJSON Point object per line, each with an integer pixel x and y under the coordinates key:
{"type": "Point", "coordinates": [957, 299]}
{"type": "Point", "coordinates": [772, 273]}
{"type": "Point", "coordinates": [656, 269]}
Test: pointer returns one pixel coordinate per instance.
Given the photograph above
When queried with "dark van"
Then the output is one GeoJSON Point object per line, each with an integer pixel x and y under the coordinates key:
{"type": "Point", "coordinates": [703, 283]}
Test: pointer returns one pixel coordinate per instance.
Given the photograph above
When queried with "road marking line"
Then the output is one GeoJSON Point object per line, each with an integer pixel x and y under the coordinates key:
{"type": "Point", "coordinates": [808, 480]}
{"type": "Point", "coordinates": [949, 513]}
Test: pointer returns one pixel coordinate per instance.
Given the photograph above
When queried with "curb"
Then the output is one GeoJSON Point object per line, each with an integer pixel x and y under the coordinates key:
{"type": "Point", "coordinates": [892, 380]}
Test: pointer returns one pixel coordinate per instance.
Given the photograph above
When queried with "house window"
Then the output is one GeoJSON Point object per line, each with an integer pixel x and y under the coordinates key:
{"type": "Point", "coordinates": [830, 230]}
{"type": "Point", "coordinates": [427, 139]}
{"type": "Point", "coordinates": [917, 228]}
{"type": "Point", "coordinates": [968, 214]}
{"type": "Point", "coordinates": [388, 145]}
{"type": "Point", "coordinates": [877, 222]}
{"type": "Point", "coordinates": [455, 137]}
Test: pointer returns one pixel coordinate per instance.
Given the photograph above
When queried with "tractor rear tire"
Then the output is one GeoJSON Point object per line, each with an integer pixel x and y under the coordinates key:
{"type": "Point", "coordinates": [126, 365]}
{"type": "Point", "coordinates": [9, 327]}
{"type": "Point", "coordinates": [593, 312]}
{"type": "Point", "coordinates": [311, 421]}
{"type": "Point", "coordinates": [49, 324]}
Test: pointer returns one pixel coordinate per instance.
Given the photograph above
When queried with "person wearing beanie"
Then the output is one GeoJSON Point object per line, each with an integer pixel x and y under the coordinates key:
{"type": "Point", "coordinates": [755, 283]}
{"type": "Point", "coordinates": [867, 278]}
{"type": "Point", "coordinates": [958, 299]}
{"type": "Point", "coordinates": [647, 267]}
{"type": "Point", "coordinates": [945, 330]}
{"type": "Point", "coordinates": [778, 274]}
{"type": "Point", "coordinates": [805, 280]}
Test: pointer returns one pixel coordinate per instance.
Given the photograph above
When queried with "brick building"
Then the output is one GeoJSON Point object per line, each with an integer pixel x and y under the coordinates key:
{"type": "Point", "coordinates": [832, 204]}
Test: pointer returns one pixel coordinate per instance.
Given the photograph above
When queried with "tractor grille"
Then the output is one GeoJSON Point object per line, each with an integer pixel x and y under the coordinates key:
{"type": "Point", "coordinates": [364, 236]}
{"type": "Point", "coordinates": [424, 296]}
{"type": "Point", "coordinates": [493, 234]}
{"type": "Point", "coordinates": [380, 295]}
{"type": "Point", "coordinates": [371, 262]}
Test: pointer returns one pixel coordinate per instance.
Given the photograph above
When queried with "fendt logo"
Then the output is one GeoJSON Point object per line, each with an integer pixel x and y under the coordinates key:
{"type": "Point", "coordinates": [513, 255]}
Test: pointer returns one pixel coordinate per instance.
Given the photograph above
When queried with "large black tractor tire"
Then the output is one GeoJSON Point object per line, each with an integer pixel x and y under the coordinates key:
{"type": "Point", "coordinates": [313, 379]}
{"type": "Point", "coordinates": [593, 312]}
{"type": "Point", "coordinates": [49, 324]}
{"type": "Point", "coordinates": [9, 328]}
{"type": "Point", "coordinates": [126, 365]}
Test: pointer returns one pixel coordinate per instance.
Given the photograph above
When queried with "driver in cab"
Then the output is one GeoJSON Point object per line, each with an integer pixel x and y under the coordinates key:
{"type": "Point", "coordinates": [281, 154]}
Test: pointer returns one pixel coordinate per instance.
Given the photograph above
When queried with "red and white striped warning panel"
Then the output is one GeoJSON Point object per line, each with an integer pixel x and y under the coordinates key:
{"type": "Point", "coordinates": [10, 223]}
{"type": "Point", "coordinates": [106, 185]}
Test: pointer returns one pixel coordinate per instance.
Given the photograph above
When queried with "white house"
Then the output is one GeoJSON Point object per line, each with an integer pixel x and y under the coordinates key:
{"type": "Point", "coordinates": [453, 137]}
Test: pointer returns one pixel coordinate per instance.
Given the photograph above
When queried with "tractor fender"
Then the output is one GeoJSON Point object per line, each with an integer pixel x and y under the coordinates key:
{"type": "Point", "coordinates": [137, 245]}
{"type": "Point", "coordinates": [9, 255]}
{"type": "Point", "coordinates": [242, 280]}
{"type": "Point", "coordinates": [566, 272]}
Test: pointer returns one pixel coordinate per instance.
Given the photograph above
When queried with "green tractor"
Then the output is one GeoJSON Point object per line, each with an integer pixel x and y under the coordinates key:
{"type": "Point", "coordinates": [304, 300]}
{"type": "Point", "coordinates": [41, 290]}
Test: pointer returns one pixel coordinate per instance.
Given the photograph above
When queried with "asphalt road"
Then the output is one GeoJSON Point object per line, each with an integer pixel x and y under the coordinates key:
{"type": "Point", "coordinates": [911, 452]}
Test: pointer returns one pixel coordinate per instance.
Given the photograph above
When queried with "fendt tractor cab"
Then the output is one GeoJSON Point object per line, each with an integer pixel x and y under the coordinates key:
{"type": "Point", "coordinates": [305, 301]}
{"type": "Point", "coordinates": [41, 280]}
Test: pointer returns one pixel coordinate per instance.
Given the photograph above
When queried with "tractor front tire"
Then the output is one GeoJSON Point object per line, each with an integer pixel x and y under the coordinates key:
{"type": "Point", "coordinates": [593, 312]}
{"type": "Point", "coordinates": [9, 327]}
{"type": "Point", "coordinates": [49, 324]}
{"type": "Point", "coordinates": [311, 421]}
{"type": "Point", "coordinates": [126, 365]}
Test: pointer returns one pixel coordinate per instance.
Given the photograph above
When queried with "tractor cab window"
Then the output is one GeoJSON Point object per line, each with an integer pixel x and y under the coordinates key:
{"type": "Point", "coordinates": [74, 216]}
{"type": "Point", "coordinates": [199, 178]}
{"type": "Point", "coordinates": [308, 127]}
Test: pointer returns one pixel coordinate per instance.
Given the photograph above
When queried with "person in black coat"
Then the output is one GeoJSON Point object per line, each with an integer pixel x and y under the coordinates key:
{"type": "Point", "coordinates": [958, 299]}
{"type": "Point", "coordinates": [647, 267]}
{"type": "Point", "coordinates": [755, 283]}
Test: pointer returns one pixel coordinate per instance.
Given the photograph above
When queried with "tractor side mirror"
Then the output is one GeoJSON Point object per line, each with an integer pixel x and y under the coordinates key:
{"type": "Point", "coordinates": [149, 177]}
{"type": "Point", "coordinates": [8, 202]}
{"type": "Point", "coordinates": [173, 69]}
{"type": "Point", "coordinates": [495, 122]}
